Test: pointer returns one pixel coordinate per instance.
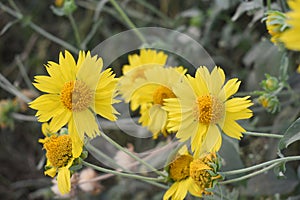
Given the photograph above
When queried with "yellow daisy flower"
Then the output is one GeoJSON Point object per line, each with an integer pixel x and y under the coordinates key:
{"type": "Point", "coordinates": [192, 175]}
{"type": "Point", "coordinates": [75, 91]}
{"type": "Point", "coordinates": [291, 37]}
{"type": "Point", "coordinates": [59, 157]}
{"type": "Point", "coordinates": [150, 94]}
{"type": "Point", "coordinates": [203, 107]}
{"type": "Point", "coordinates": [135, 71]}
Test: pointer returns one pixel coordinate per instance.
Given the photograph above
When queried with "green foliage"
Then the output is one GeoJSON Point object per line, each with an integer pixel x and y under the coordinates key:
{"type": "Point", "coordinates": [291, 135]}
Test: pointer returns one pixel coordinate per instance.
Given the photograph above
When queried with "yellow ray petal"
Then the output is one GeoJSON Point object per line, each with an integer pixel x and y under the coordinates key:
{"type": "Point", "coordinates": [63, 180]}
{"type": "Point", "coordinates": [85, 122]}
{"type": "Point", "coordinates": [233, 129]}
{"type": "Point", "coordinates": [60, 120]}
{"type": "Point", "coordinates": [158, 119]}
{"type": "Point", "coordinates": [231, 87]}
{"type": "Point", "coordinates": [77, 140]}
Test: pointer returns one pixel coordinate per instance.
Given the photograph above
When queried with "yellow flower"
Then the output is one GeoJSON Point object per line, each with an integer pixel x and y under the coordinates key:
{"type": "Point", "coordinates": [135, 71]}
{"type": "Point", "coordinates": [203, 107]}
{"type": "Point", "coordinates": [75, 92]}
{"type": "Point", "coordinates": [298, 69]}
{"type": "Point", "coordinates": [150, 94]}
{"type": "Point", "coordinates": [147, 57]}
{"type": "Point", "coordinates": [275, 25]}
{"type": "Point", "coordinates": [193, 175]}
{"type": "Point", "coordinates": [291, 37]}
{"type": "Point", "coordinates": [59, 157]}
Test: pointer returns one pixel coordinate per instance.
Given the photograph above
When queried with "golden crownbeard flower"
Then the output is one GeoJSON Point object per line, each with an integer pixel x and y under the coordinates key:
{"type": "Point", "coordinates": [193, 175]}
{"type": "Point", "coordinates": [203, 107]}
{"type": "Point", "coordinates": [291, 37]}
{"type": "Point", "coordinates": [275, 22]}
{"type": "Point", "coordinates": [59, 157]}
{"type": "Point", "coordinates": [75, 91]}
{"type": "Point", "coordinates": [135, 71]}
{"type": "Point", "coordinates": [150, 94]}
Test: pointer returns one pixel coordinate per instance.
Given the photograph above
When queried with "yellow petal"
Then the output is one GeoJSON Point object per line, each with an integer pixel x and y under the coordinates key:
{"type": "Point", "coordinates": [158, 119]}
{"type": "Point", "coordinates": [212, 141]}
{"type": "Point", "coordinates": [169, 193]}
{"type": "Point", "coordinates": [197, 138]}
{"type": "Point", "coordinates": [237, 104]}
{"type": "Point", "coordinates": [77, 140]}
{"type": "Point", "coordinates": [60, 120]}
{"type": "Point", "coordinates": [218, 78]}
{"type": "Point", "coordinates": [50, 172]}
{"type": "Point", "coordinates": [64, 180]}
{"type": "Point", "coordinates": [85, 122]}
{"type": "Point", "coordinates": [233, 129]}
{"type": "Point", "coordinates": [194, 189]}
{"type": "Point", "coordinates": [231, 87]}
{"type": "Point", "coordinates": [89, 71]}
{"type": "Point", "coordinates": [47, 84]}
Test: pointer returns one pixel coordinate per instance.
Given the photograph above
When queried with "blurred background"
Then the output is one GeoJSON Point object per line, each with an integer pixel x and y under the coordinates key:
{"type": "Point", "coordinates": [232, 32]}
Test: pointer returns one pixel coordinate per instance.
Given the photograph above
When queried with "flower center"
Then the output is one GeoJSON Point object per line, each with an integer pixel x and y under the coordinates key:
{"type": "Point", "coordinates": [198, 172]}
{"type": "Point", "coordinates": [179, 169]}
{"type": "Point", "coordinates": [162, 93]}
{"type": "Point", "coordinates": [59, 150]}
{"type": "Point", "coordinates": [209, 109]}
{"type": "Point", "coordinates": [76, 96]}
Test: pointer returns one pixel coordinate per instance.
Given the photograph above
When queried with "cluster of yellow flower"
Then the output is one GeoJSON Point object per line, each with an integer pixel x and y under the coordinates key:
{"type": "Point", "coordinates": [196, 109]}
{"type": "Point", "coordinates": [75, 92]}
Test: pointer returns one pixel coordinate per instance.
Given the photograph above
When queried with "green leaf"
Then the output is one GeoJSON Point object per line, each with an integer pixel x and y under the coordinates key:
{"type": "Point", "coordinates": [291, 135]}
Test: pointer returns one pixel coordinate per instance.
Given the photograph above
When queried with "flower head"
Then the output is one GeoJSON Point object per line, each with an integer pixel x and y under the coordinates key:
{"type": "Point", "coordinates": [291, 37]}
{"type": "Point", "coordinates": [74, 92]}
{"type": "Point", "coordinates": [275, 22]}
{"type": "Point", "coordinates": [150, 94]}
{"type": "Point", "coordinates": [193, 175]}
{"type": "Point", "coordinates": [135, 71]}
{"type": "Point", "coordinates": [59, 157]}
{"type": "Point", "coordinates": [203, 107]}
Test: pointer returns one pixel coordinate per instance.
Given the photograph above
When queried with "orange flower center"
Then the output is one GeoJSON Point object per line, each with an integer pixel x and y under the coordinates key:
{"type": "Point", "coordinates": [199, 172]}
{"type": "Point", "coordinates": [76, 96]}
{"type": "Point", "coordinates": [59, 150]}
{"type": "Point", "coordinates": [179, 169]}
{"type": "Point", "coordinates": [162, 93]}
{"type": "Point", "coordinates": [209, 109]}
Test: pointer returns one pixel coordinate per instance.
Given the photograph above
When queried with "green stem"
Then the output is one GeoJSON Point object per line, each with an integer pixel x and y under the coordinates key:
{"type": "Point", "coordinates": [6, 85]}
{"type": "Point", "coordinates": [117, 173]}
{"type": "Point", "coordinates": [263, 134]}
{"type": "Point", "coordinates": [24, 73]}
{"type": "Point", "coordinates": [53, 38]}
{"type": "Point", "coordinates": [91, 33]}
{"type": "Point", "coordinates": [131, 154]}
{"type": "Point", "coordinates": [155, 10]}
{"type": "Point", "coordinates": [275, 161]}
{"type": "Point", "coordinates": [127, 20]}
{"type": "Point", "coordinates": [103, 155]}
{"type": "Point", "coordinates": [75, 29]}
{"type": "Point", "coordinates": [249, 175]}
{"type": "Point", "coordinates": [269, 4]}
